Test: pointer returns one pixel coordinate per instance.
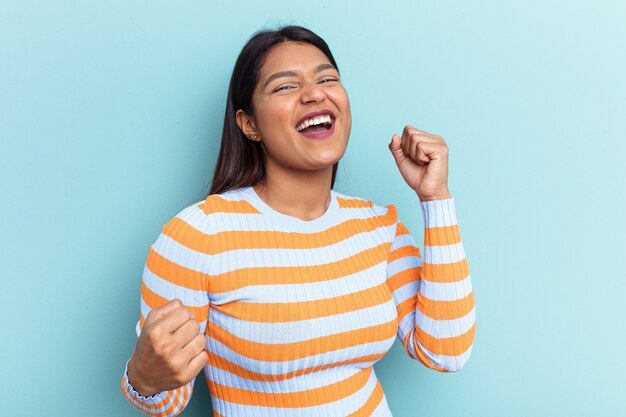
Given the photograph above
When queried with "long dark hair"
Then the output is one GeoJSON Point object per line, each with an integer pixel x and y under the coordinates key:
{"type": "Point", "coordinates": [241, 160]}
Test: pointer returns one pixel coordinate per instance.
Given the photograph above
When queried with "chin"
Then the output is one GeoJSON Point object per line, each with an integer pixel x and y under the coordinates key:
{"type": "Point", "coordinates": [330, 156]}
{"type": "Point", "coordinates": [325, 163]}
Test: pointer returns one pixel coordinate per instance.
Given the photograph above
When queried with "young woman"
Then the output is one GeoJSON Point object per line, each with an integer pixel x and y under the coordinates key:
{"type": "Point", "coordinates": [283, 290]}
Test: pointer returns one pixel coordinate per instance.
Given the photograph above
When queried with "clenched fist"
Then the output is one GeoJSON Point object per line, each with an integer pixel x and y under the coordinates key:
{"type": "Point", "coordinates": [169, 352]}
{"type": "Point", "coordinates": [422, 159]}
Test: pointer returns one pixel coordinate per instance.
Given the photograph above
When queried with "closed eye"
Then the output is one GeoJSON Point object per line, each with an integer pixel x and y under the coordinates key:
{"type": "Point", "coordinates": [284, 88]}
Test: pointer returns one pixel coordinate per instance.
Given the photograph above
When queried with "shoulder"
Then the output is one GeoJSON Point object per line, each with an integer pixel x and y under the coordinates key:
{"type": "Point", "coordinates": [206, 216]}
{"type": "Point", "coordinates": [229, 202]}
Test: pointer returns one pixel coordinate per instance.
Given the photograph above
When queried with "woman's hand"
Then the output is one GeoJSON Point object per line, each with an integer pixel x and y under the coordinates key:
{"type": "Point", "coordinates": [422, 159]}
{"type": "Point", "coordinates": [169, 352]}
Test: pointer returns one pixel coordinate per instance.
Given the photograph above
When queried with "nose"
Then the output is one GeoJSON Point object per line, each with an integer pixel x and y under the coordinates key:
{"type": "Point", "coordinates": [312, 93]}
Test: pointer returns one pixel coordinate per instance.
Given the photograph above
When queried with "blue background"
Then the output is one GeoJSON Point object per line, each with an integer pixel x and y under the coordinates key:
{"type": "Point", "coordinates": [110, 121]}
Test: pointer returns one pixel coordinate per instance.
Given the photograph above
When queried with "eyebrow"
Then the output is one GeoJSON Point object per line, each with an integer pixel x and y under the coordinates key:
{"type": "Point", "coordinates": [292, 73]}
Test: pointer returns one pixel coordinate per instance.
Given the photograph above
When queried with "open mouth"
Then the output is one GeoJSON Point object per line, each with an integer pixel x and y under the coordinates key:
{"type": "Point", "coordinates": [316, 124]}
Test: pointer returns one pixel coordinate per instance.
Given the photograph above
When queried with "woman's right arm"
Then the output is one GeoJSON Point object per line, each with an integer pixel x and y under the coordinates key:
{"type": "Point", "coordinates": [170, 351]}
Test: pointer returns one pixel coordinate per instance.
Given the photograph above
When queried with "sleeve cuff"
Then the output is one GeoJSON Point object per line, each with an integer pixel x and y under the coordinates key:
{"type": "Point", "coordinates": [130, 390]}
{"type": "Point", "coordinates": [439, 213]}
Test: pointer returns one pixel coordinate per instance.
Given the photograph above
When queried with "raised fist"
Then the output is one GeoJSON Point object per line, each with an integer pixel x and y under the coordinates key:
{"type": "Point", "coordinates": [169, 352]}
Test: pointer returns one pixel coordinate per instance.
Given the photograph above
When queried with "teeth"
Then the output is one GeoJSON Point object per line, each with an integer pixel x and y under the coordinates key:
{"type": "Point", "coordinates": [325, 118]}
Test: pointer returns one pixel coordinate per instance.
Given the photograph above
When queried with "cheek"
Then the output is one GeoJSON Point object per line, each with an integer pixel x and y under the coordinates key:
{"type": "Point", "coordinates": [344, 104]}
{"type": "Point", "coordinates": [274, 116]}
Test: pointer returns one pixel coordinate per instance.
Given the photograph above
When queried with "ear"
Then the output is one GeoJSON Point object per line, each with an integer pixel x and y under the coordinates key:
{"type": "Point", "coordinates": [247, 125]}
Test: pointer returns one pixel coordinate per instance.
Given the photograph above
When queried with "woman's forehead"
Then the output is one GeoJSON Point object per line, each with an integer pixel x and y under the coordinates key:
{"type": "Point", "coordinates": [293, 56]}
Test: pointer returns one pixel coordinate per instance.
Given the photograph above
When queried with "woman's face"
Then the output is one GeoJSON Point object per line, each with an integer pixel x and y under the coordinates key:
{"type": "Point", "coordinates": [301, 110]}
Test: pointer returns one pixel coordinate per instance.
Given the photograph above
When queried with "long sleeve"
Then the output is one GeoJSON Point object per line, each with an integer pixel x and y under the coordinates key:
{"type": "Point", "coordinates": [172, 270]}
{"type": "Point", "coordinates": [433, 294]}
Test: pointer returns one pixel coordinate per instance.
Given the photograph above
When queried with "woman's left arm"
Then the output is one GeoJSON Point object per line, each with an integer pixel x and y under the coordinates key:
{"type": "Point", "coordinates": [433, 294]}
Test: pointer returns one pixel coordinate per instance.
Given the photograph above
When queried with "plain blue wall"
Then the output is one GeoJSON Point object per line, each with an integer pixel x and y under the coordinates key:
{"type": "Point", "coordinates": [110, 119]}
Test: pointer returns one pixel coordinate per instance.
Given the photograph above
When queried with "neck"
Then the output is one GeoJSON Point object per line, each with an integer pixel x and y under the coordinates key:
{"type": "Point", "coordinates": [301, 194]}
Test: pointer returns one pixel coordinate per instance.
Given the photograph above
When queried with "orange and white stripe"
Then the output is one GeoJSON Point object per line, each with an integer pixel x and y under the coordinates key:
{"type": "Point", "coordinates": [297, 312]}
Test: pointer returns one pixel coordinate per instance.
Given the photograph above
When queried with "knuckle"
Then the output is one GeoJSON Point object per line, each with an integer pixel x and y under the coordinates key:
{"type": "Point", "coordinates": [160, 351]}
{"type": "Point", "coordinates": [181, 312]}
{"type": "Point", "coordinates": [162, 356]}
{"type": "Point", "coordinates": [151, 317]}
{"type": "Point", "coordinates": [170, 365]}
{"type": "Point", "coordinates": [200, 341]}
{"type": "Point", "coordinates": [153, 334]}
{"type": "Point", "coordinates": [167, 348]}
{"type": "Point", "coordinates": [196, 327]}
{"type": "Point", "coordinates": [178, 363]}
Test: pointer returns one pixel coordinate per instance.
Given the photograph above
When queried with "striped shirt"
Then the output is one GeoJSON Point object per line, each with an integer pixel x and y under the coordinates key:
{"type": "Point", "coordinates": [296, 312]}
